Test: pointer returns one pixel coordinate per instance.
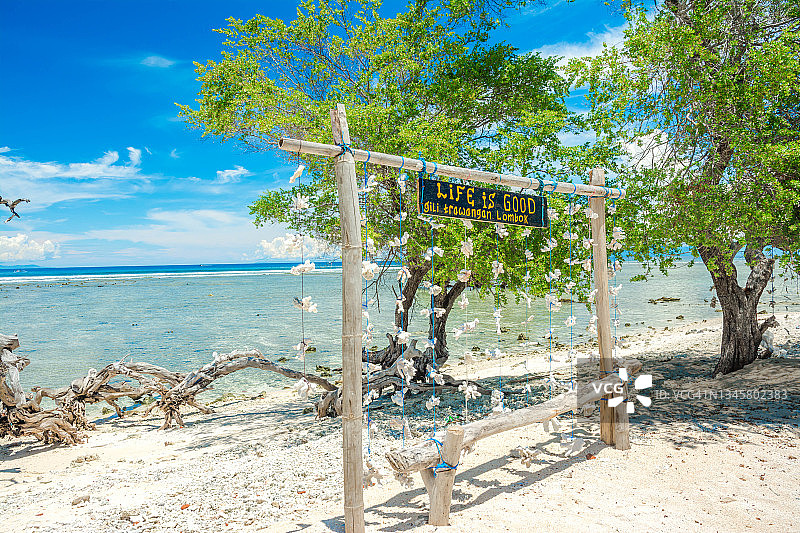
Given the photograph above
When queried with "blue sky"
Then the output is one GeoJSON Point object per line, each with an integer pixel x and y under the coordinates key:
{"type": "Point", "coordinates": [89, 129]}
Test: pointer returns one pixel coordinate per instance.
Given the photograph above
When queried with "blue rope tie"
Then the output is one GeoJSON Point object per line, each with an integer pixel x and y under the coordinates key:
{"type": "Point", "coordinates": [443, 465]}
{"type": "Point", "coordinates": [345, 148]}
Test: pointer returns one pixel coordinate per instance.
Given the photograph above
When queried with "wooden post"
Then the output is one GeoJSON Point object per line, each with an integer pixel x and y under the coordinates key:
{"type": "Point", "coordinates": [598, 205]}
{"type": "Point", "coordinates": [350, 217]}
{"type": "Point", "coordinates": [621, 424]}
{"type": "Point", "coordinates": [440, 487]}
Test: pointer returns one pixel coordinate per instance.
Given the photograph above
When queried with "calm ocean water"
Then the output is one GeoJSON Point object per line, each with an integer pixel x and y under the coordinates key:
{"type": "Point", "coordinates": [70, 320]}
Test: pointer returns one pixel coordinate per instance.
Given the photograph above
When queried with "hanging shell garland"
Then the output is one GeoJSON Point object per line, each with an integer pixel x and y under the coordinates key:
{"type": "Point", "coordinates": [467, 247]}
{"type": "Point", "coordinates": [304, 388]}
{"type": "Point", "coordinates": [497, 269]}
{"type": "Point", "coordinates": [305, 304]}
{"type": "Point", "coordinates": [432, 402]}
{"type": "Point", "coordinates": [470, 390]}
{"type": "Point", "coordinates": [300, 202]}
{"type": "Point", "coordinates": [297, 173]}
{"type": "Point", "coordinates": [369, 269]}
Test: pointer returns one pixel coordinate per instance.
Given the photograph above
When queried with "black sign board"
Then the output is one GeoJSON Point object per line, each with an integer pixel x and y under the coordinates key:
{"type": "Point", "coordinates": [454, 200]}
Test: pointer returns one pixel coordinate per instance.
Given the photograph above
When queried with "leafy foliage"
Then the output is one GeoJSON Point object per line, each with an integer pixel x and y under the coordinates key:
{"type": "Point", "coordinates": [702, 98]}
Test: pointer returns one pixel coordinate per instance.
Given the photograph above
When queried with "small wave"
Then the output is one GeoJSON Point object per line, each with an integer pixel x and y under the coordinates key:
{"type": "Point", "coordinates": [29, 279]}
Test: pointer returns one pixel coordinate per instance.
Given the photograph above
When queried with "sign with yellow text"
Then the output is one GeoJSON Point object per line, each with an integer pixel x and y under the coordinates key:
{"type": "Point", "coordinates": [454, 200]}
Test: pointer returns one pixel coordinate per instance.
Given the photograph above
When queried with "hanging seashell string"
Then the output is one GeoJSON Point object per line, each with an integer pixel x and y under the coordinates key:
{"type": "Point", "coordinates": [301, 203]}
{"type": "Point", "coordinates": [497, 270]}
{"type": "Point", "coordinates": [368, 273]}
{"type": "Point", "coordinates": [401, 278]}
{"type": "Point", "coordinates": [469, 390]}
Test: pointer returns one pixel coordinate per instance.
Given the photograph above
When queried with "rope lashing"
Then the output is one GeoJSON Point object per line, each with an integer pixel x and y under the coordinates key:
{"type": "Point", "coordinates": [345, 148]}
{"type": "Point", "coordinates": [443, 465]}
{"type": "Point", "coordinates": [530, 185]}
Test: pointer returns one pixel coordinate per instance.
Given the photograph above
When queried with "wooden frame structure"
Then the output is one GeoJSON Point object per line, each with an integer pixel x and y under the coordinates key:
{"type": "Point", "coordinates": [613, 421]}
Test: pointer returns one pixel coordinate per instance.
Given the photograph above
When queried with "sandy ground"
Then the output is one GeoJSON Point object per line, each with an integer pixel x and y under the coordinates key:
{"type": "Point", "coordinates": [697, 463]}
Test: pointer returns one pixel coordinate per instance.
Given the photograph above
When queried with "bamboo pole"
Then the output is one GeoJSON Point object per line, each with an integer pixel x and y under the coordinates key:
{"type": "Point", "coordinates": [424, 455]}
{"type": "Point", "coordinates": [396, 161]}
{"type": "Point", "coordinates": [350, 216]}
{"type": "Point", "coordinates": [442, 494]}
{"type": "Point", "coordinates": [598, 205]}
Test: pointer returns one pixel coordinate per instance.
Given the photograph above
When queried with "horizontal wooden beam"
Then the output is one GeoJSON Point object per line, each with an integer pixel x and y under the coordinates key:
{"type": "Point", "coordinates": [425, 454]}
{"type": "Point", "coordinates": [416, 165]}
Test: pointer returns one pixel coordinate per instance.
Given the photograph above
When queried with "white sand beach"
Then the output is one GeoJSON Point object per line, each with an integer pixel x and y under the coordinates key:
{"type": "Point", "coordinates": [261, 464]}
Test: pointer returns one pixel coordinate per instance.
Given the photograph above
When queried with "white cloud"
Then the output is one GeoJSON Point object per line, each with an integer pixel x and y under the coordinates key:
{"type": "Point", "coordinates": [135, 156]}
{"type": "Point", "coordinates": [233, 175]}
{"type": "Point", "coordinates": [47, 183]}
{"type": "Point", "coordinates": [277, 249]}
{"type": "Point", "coordinates": [191, 234]}
{"type": "Point", "coordinates": [4, 149]}
{"type": "Point", "coordinates": [593, 46]}
{"type": "Point", "coordinates": [157, 62]}
{"type": "Point", "coordinates": [23, 248]}
{"type": "Point", "coordinates": [174, 154]}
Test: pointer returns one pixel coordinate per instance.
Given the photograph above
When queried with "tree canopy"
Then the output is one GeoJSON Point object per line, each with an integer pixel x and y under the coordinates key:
{"type": "Point", "coordinates": [427, 82]}
{"type": "Point", "coordinates": [702, 100]}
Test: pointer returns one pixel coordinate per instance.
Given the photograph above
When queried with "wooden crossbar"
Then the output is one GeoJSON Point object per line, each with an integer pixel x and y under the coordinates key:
{"type": "Point", "coordinates": [396, 161]}
{"type": "Point", "coordinates": [425, 454]}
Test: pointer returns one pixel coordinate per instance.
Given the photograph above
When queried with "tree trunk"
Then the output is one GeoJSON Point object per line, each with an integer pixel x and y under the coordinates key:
{"type": "Point", "coordinates": [438, 327]}
{"type": "Point", "coordinates": [410, 288]}
{"type": "Point", "coordinates": [387, 357]}
{"type": "Point", "coordinates": [741, 332]}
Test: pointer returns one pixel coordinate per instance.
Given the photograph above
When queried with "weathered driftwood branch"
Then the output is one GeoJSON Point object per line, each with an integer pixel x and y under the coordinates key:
{"type": "Point", "coordinates": [198, 381]}
{"type": "Point", "coordinates": [21, 414]}
{"type": "Point", "coordinates": [425, 454]}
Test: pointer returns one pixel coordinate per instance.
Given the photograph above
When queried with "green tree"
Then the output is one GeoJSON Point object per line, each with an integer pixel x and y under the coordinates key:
{"type": "Point", "coordinates": [424, 82]}
{"type": "Point", "coordinates": [704, 98]}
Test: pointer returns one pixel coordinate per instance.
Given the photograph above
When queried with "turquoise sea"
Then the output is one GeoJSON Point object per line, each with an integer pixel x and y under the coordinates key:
{"type": "Point", "coordinates": [73, 319]}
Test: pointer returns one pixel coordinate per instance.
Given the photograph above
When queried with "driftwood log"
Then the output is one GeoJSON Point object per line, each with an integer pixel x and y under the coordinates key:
{"type": "Point", "coordinates": [425, 454]}
{"type": "Point", "coordinates": [21, 413]}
